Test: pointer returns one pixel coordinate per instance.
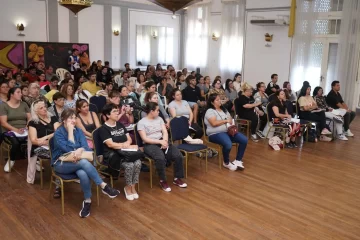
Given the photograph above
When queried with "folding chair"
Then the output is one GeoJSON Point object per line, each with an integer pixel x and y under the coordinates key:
{"type": "Point", "coordinates": [179, 129]}
{"type": "Point", "coordinates": [93, 108]}
{"type": "Point", "coordinates": [98, 101]}
{"type": "Point", "coordinates": [63, 178]}
{"type": "Point", "coordinates": [282, 128]}
{"type": "Point", "coordinates": [243, 123]}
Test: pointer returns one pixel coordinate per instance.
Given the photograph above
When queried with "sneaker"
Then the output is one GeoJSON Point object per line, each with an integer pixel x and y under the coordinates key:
{"type": "Point", "coordinates": [85, 211]}
{"type": "Point", "coordinates": [325, 132]}
{"type": "Point", "coordinates": [164, 186]}
{"type": "Point", "coordinates": [324, 138]}
{"type": "Point", "coordinates": [199, 154]}
{"type": "Point", "coordinates": [348, 133]}
{"type": "Point", "coordinates": [342, 137]}
{"type": "Point", "coordinates": [338, 119]}
{"type": "Point", "coordinates": [239, 164]}
{"type": "Point", "coordinates": [230, 166]}
{"type": "Point", "coordinates": [288, 145]}
{"type": "Point", "coordinates": [214, 153]}
{"type": "Point", "coordinates": [178, 182]}
{"type": "Point", "coordinates": [111, 192]}
{"type": "Point", "coordinates": [259, 133]}
{"type": "Point", "coordinates": [254, 138]}
{"type": "Point", "coordinates": [294, 144]}
{"type": "Point", "coordinates": [6, 167]}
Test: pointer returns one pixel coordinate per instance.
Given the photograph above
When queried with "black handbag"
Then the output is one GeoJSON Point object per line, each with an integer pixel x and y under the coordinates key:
{"type": "Point", "coordinates": [130, 156]}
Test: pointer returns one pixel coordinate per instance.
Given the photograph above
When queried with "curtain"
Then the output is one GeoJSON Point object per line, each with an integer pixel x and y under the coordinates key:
{"type": "Point", "coordinates": [232, 39]}
{"type": "Point", "coordinates": [166, 46]}
{"type": "Point", "coordinates": [306, 53]}
{"type": "Point", "coordinates": [197, 38]}
{"type": "Point", "coordinates": [348, 53]}
{"type": "Point", "coordinates": [143, 42]}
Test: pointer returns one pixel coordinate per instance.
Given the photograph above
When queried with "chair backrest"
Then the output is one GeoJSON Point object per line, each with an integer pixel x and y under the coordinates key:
{"type": "Point", "coordinates": [51, 146]}
{"type": "Point", "coordinates": [99, 101]}
{"type": "Point", "coordinates": [204, 128]}
{"type": "Point", "coordinates": [268, 111]}
{"type": "Point", "coordinates": [98, 144]}
{"type": "Point", "coordinates": [179, 128]}
{"type": "Point", "coordinates": [271, 97]}
{"type": "Point", "coordinates": [61, 73]}
{"type": "Point", "coordinates": [93, 108]}
{"type": "Point", "coordinates": [138, 138]}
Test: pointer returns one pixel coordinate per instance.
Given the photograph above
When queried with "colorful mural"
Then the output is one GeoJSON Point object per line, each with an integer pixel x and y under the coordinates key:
{"type": "Point", "coordinates": [11, 54]}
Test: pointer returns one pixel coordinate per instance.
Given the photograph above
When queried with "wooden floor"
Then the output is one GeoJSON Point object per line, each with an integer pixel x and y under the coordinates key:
{"type": "Point", "coordinates": [313, 193]}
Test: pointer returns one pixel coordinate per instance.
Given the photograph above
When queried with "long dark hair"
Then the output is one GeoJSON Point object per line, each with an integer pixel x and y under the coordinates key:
{"type": "Point", "coordinates": [210, 101]}
{"type": "Point", "coordinates": [11, 91]}
{"type": "Point", "coordinates": [236, 75]}
{"type": "Point", "coordinates": [303, 90]}
{"type": "Point", "coordinates": [227, 85]}
{"type": "Point", "coordinates": [150, 106]}
{"type": "Point", "coordinates": [277, 94]}
{"type": "Point", "coordinates": [172, 94]}
{"type": "Point", "coordinates": [316, 90]}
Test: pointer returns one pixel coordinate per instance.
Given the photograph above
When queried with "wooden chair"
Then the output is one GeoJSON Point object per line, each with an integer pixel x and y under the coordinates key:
{"type": "Point", "coordinates": [217, 147]}
{"type": "Point", "coordinates": [63, 179]}
{"type": "Point", "coordinates": [41, 160]}
{"type": "Point", "coordinates": [283, 129]}
{"type": "Point", "coordinates": [179, 129]}
{"type": "Point", "coordinates": [244, 124]}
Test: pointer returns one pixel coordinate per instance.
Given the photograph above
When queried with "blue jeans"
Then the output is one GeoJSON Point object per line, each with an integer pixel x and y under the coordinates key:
{"type": "Point", "coordinates": [225, 140]}
{"type": "Point", "coordinates": [84, 170]}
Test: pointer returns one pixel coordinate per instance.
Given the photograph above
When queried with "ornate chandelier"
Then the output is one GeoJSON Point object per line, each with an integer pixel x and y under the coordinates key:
{"type": "Point", "coordinates": [75, 5]}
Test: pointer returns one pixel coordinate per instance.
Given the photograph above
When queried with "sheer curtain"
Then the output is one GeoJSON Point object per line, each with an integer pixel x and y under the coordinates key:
{"type": "Point", "coordinates": [348, 52]}
{"type": "Point", "coordinates": [232, 39]}
{"type": "Point", "coordinates": [306, 54]}
{"type": "Point", "coordinates": [166, 45]}
{"type": "Point", "coordinates": [197, 38]}
{"type": "Point", "coordinates": [143, 42]}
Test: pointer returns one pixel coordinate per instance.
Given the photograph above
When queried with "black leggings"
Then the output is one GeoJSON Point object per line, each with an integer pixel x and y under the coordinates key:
{"type": "Point", "coordinates": [318, 117]}
{"type": "Point", "coordinates": [16, 152]}
{"type": "Point", "coordinates": [255, 121]}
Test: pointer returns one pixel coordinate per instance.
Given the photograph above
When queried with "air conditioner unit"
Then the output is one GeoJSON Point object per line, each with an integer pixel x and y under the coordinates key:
{"type": "Point", "coordinates": [269, 22]}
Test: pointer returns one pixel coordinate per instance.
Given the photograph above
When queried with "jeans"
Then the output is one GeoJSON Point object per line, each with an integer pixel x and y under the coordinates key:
{"type": "Point", "coordinates": [84, 170]}
{"type": "Point", "coordinates": [173, 154]}
{"type": "Point", "coordinates": [225, 140]}
{"type": "Point", "coordinates": [348, 118]}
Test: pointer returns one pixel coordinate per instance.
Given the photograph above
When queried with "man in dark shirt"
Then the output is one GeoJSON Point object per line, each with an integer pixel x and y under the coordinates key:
{"type": "Point", "coordinates": [272, 87]}
{"type": "Point", "coordinates": [192, 95]}
{"type": "Point", "coordinates": [110, 70]}
{"type": "Point", "coordinates": [82, 71]}
{"type": "Point", "coordinates": [103, 77]}
{"type": "Point", "coordinates": [335, 101]}
{"type": "Point", "coordinates": [157, 77]}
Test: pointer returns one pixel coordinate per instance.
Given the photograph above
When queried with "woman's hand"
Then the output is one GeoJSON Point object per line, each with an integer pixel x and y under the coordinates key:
{"type": "Point", "coordinates": [19, 130]}
{"type": "Point", "coordinates": [167, 125]}
{"type": "Point", "coordinates": [125, 145]}
{"type": "Point", "coordinates": [164, 144]}
{"type": "Point", "coordinates": [134, 147]}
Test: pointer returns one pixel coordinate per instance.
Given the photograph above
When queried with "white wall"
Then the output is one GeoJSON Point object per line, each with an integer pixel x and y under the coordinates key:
{"type": "Point", "coordinates": [63, 24]}
{"type": "Point", "coordinates": [32, 13]}
{"type": "Point", "coordinates": [115, 41]}
{"type": "Point", "coordinates": [141, 17]}
{"type": "Point", "coordinates": [214, 52]}
{"type": "Point", "coordinates": [91, 30]}
{"type": "Point", "coordinates": [251, 4]}
{"type": "Point", "coordinates": [262, 61]}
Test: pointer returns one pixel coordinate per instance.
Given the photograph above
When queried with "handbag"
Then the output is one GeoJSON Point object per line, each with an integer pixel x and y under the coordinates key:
{"type": "Point", "coordinates": [42, 152]}
{"type": "Point", "coordinates": [130, 156]}
{"type": "Point", "coordinates": [68, 157]}
{"type": "Point", "coordinates": [231, 129]}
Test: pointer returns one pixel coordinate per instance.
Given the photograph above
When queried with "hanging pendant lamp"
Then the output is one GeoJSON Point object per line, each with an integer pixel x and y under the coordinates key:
{"type": "Point", "coordinates": [75, 5]}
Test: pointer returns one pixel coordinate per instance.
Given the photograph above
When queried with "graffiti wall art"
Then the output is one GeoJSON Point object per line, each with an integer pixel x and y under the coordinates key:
{"type": "Point", "coordinates": [11, 54]}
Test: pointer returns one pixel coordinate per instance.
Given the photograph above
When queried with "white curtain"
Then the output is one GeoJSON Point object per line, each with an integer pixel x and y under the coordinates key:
{"type": "Point", "coordinates": [166, 45]}
{"type": "Point", "coordinates": [232, 39]}
{"type": "Point", "coordinates": [348, 52]}
{"type": "Point", "coordinates": [143, 42]}
{"type": "Point", "coordinates": [197, 37]}
{"type": "Point", "coordinates": [306, 54]}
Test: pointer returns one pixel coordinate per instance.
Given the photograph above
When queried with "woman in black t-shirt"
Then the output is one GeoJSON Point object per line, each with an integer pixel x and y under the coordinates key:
{"type": "Point", "coordinates": [41, 128]}
{"type": "Point", "coordinates": [115, 137]}
{"type": "Point", "coordinates": [246, 108]}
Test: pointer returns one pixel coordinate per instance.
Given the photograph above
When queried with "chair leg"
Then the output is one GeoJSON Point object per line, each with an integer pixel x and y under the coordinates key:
{"type": "Point", "coordinates": [219, 156]}
{"type": "Point", "coordinates": [151, 175]}
{"type": "Point", "coordinates": [138, 186]}
{"type": "Point", "coordinates": [186, 164]}
{"type": "Point", "coordinates": [41, 175]}
{"type": "Point", "coordinates": [206, 160]}
{"type": "Point", "coordinates": [62, 197]}
{"type": "Point", "coordinates": [112, 181]}
{"type": "Point", "coordinates": [51, 183]}
{"type": "Point", "coordinates": [267, 134]}
{"type": "Point", "coordinates": [98, 195]}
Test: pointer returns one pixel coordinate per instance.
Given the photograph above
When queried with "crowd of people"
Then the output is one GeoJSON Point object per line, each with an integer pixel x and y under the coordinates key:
{"type": "Point", "coordinates": [37, 106]}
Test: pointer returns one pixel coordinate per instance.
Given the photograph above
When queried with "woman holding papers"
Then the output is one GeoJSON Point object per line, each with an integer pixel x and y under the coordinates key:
{"type": "Point", "coordinates": [115, 137]}
{"type": "Point", "coordinates": [14, 114]}
{"type": "Point", "coordinates": [153, 132]}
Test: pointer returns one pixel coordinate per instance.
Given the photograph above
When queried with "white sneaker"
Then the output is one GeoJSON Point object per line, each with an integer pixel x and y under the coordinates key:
{"type": "Point", "coordinates": [348, 133]}
{"type": "Point", "coordinates": [342, 137]}
{"type": "Point", "coordinates": [38, 166]}
{"type": "Point", "coordinates": [338, 119]}
{"type": "Point", "coordinates": [230, 166]}
{"type": "Point", "coordinates": [6, 167]}
{"type": "Point", "coordinates": [254, 138]}
{"type": "Point", "coordinates": [239, 164]}
{"type": "Point", "coordinates": [325, 132]}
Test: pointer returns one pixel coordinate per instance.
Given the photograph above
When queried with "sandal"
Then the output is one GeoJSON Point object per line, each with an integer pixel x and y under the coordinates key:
{"type": "Point", "coordinates": [57, 193]}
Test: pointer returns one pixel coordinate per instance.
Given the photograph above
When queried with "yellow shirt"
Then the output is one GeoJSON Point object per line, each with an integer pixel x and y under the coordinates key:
{"type": "Point", "coordinates": [306, 101]}
{"type": "Point", "coordinates": [91, 87]}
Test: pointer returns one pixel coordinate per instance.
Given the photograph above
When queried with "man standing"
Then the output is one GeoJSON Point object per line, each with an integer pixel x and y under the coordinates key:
{"type": "Point", "coordinates": [335, 101]}
{"type": "Point", "coordinates": [73, 61]}
{"type": "Point", "coordinates": [272, 87]}
{"type": "Point", "coordinates": [91, 85]}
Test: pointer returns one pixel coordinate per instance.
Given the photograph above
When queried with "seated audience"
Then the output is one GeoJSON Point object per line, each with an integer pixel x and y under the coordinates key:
{"type": "Point", "coordinates": [150, 86]}
{"type": "Point", "coordinates": [290, 95]}
{"type": "Point", "coordinates": [31, 75]}
{"type": "Point", "coordinates": [179, 107]}
{"type": "Point", "coordinates": [68, 138]}
{"type": "Point", "coordinates": [261, 96]}
{"type": "Point", "coordinates": [69, 94]}
{"type": "Point", "coordinates": [80, 93]}
{"type": "Point", "coordinates": [153, 97]}
{"type": "Point", "coordinates": [87, 121]}
{"type": "Point", "coordinates": [34, 94]}
{"type": "Point", "coordinates": [180, 82]}
{"type": "Point", "coordinates": [140, 83]}
{"type": "Point", "coordinates": [42, 80]}
{"type": "Point", "coordinates": [272, 87]}
{"type": "Point", "coordinates": [110, 70]}
{"type": "Point", "coordinates": [164, 88]}
{"type": "Point", "coordinates": [216, 119]}
{"type": "Point", "coordinates": [19, 80]}
{"type": "Point", "coordinates": [247, 108]}
{"type": "Point", "coordinates": [58, 107]}
{"type": "Point", "coordinates": [310, 111]}
{"type": "Point", "coordinates": [53, 85]}
{"type": "Point", "coordinates": [11, 83]}
{"type": "Point", "coordinates": [334, 114]}
{"type": "Point", "coordinates": [335, 101]}
{"type": "Point", "coordinates": [115, 137]}
{"type": "Point", "coordinates": [219, 90]}
{"type": "Point", "coordinates": [155, 136]}
{"type": "Point", "coordinates": [131, 90]}
{"type": "Point", "coordinates": [103, 77]}
{"type": "Point", "coordinates": [201, 85]}
{"type": "Point", "coordinates": [106, 90]}
{"type": "Point", "coordinates": [169, 79]}
{"type": "Point", "coordinates": [91, 85]}
{"type": "Point", "coordinates": [41, 128]}
{"type": "Point", "coordinates": [237, 82]}
{"type": "Point", "coordinates": [4, 90]}
{"type": "Point", "coordinates": [24, 90]}
{"type": "Point", "coordinates": [230, 91]}
{"type": "Point", "coordinates": [14, 115]}
{"type": "Point", "coordinates": [123, 80]}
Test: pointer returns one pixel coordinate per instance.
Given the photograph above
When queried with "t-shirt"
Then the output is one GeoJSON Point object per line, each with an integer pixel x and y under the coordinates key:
{"type": "Point", "coordinates": [334, 98]}
{"type": "Point", "coordinates": [117, 134]}
{"type": "Point", "coordinates": [191, 94]}
{"type": "Point", "coordinates": [220, 115]}
{"type": "Point", "coordinates": [152, 128]}
{"type": "Point", "coordinates": [231, 95]}
{"type": "Point", "coordinates": [43, 129]}
{"type": "Point", "coordinates": [281, 107]}
{"type": "Point", "coordinates": [239, 106]}
{"type": "Point", "coordinates": [181, 109]}
{"type": "Point", "coordinates": [73, 66]}
{"type": "Point", "coordinates": [91, 87]}
{"type": "Point", "coordinates": [16, 117]}
{"type": "Point", "coordinates": [48, 89]}
{"type": "Point", "coordinates": [103, 78]}
{"type": "Point", "coordinates": [306, 101]}
{"type": "Point", "coordinates": [203, 87]}
{"type": "Point", "coordinates": [168, 90]}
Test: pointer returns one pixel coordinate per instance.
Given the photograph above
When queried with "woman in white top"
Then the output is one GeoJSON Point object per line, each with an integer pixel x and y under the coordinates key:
{"type": "Point", "coordinates": [69, 94]}
{"type": "Point", "coordinates": [237, 82]}
{"type": "Point", "coordinates": [140, 83]}
{"type": "Point", "coordinates": [216, 119]}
